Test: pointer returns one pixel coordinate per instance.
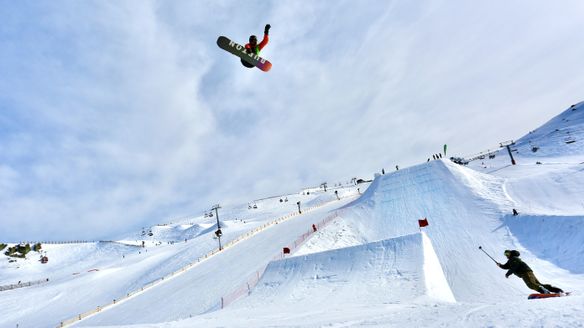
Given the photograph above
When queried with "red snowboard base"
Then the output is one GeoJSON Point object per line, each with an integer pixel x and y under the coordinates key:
{"type": "Point", "coordinates": [537, 296]}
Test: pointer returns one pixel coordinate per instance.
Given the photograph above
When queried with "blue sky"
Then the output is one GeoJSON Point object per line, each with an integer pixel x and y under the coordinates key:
{"type": "Point", "coordinates": [120, 114]}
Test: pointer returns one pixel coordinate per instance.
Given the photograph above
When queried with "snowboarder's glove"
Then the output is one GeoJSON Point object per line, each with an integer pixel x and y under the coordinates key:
{"type": "Point", "coordinates": [267, 29]}
{"type": "Point", "coordinates": [507, 275]}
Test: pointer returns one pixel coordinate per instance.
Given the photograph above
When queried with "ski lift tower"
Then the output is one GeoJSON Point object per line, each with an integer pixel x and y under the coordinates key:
{"type": "Point", "coordinates": [508, 144]}
{"type": "Point", "coordinates": [218, 233]}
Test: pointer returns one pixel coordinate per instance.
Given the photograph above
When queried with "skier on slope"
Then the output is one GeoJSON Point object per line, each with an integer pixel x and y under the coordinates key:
{"type": "Point", "coordinates": [253, 47]}
{"type": "Point", "coordinates": [516, 266]}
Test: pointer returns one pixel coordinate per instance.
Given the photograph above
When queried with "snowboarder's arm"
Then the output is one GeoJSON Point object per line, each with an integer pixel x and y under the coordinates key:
{"type": "Point", "coordinates": [266, 38]}
{"type": "Point", "coordinates": [507, 266]}
{"type": "Point", "coordinates": [264, 42]}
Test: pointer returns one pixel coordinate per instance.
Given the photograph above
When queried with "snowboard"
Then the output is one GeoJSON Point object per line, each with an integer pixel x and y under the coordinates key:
{"type": "Point", "coordinates": [239, 51]}
{"type": "Point", "coordinates": [539, 296]}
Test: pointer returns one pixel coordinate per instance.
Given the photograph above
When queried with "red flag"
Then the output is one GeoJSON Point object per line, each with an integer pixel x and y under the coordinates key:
{"type": "Point", "coordinates": [423, 222]}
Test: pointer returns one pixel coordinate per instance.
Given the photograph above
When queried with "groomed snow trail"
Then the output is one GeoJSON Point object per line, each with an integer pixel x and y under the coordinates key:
{"type": "Point", "coordinates": [182, 296]}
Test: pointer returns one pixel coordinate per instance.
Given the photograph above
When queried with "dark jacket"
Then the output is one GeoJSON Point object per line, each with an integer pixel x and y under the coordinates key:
{"type": "Point", "coordinates": [515, 266]}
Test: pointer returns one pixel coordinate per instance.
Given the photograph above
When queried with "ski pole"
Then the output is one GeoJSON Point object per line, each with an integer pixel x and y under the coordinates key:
{"type": "Point", "coordinates": [481, 248]}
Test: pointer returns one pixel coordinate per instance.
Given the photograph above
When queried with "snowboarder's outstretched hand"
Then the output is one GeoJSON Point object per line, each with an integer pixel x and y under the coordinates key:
{"type": "Point", "coordinates": [267, 29]}
{"type": "Point", "coordinates": [499, 264]}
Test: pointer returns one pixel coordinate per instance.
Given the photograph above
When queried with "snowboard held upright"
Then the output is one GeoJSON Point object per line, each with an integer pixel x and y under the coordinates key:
{"type": "Point", "coordinates": [239, 51]}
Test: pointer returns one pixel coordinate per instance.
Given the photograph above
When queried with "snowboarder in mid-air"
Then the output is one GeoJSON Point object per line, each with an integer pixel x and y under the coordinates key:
{"type": "Point", "coordinates": [249, 54]}
{"type": "Point", "coordinates": [253, 47]}
{"type": "Point", "coordinates": [516, 266]}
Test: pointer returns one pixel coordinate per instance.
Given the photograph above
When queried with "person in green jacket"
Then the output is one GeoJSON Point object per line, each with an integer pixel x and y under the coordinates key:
{"type": "Point", "coordinates": [519, 268]}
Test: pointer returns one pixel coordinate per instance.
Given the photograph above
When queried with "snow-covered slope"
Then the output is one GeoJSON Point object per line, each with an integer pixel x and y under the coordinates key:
{"type": "Point", "coordinates": [559, 141]}
{"type": "Point", "coordinates": [463, 208]}
{"type": "Point", "coordinates": [202, 288]}
{"type": "Point", "coordinates": [559, 137]}
{"type": "Point", "coordinates": [356, 285]}
{"type": "Point", "coordinates": [84, 276]}
{"type": "Point", "coordinates": [371, 266]}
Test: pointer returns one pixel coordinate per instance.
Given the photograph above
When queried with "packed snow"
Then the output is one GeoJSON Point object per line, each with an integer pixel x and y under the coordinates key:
{"type": "Point", "coordinates": [364, 263]}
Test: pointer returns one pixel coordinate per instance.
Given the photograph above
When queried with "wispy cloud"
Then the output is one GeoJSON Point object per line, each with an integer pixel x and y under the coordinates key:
{"type": "Point", "coordinates": [115, 115]}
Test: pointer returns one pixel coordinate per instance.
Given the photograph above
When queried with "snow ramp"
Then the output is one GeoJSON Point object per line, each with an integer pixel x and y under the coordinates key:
{"type": "Point", "coordinates": [390, 271]}
{"type": "Point", "coordinates": [464, 210]}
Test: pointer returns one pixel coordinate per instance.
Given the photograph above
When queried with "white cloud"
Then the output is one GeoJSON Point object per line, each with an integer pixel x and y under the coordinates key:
{"type": "Point", "coordinates": [117, 115]}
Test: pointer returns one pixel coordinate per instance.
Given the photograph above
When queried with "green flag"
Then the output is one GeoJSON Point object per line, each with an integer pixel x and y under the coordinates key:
{"type": "Point", "coordinates": [445, 150]}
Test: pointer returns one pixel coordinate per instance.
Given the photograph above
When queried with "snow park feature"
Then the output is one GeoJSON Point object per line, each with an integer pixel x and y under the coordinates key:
{"type": "Point", "coordinates": [371, 265]}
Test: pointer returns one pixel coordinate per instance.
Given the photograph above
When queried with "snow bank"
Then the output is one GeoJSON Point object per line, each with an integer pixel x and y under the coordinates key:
{"type": "Point", "coordinates": [557, 239]}
{"type": "Point", "coordinates": [436, 283]}
{"type": "Point", "coordinates": [387, 271]}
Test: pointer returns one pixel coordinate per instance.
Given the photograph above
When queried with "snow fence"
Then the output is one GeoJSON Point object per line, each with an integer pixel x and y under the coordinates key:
{"type": "Point", "coordinates": [23, 284]}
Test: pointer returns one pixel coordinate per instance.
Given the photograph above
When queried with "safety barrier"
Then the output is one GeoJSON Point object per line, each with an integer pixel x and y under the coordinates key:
{"type": "Point", "coordinates": [222, 303]}
{"type": "Point", "coordinates": [70, 242]}
{"type": "Point", "coordinates": [59, 242]}
{"type": "Point", "coordinates": [23, 284]}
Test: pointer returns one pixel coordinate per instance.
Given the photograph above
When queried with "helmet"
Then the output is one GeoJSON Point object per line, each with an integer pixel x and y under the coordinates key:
{"type": "Point", "coordinates": [253, 39]}
{"type": "Point", "coordinates": [511, 253]}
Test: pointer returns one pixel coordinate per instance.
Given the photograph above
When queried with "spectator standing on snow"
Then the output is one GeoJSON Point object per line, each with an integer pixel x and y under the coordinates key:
{"type": "Point", "coordinates": [516, 266]}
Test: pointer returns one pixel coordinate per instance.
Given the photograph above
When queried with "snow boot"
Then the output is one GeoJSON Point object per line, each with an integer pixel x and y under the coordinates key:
{"type": "Point", "coordinates": [543, 290]}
